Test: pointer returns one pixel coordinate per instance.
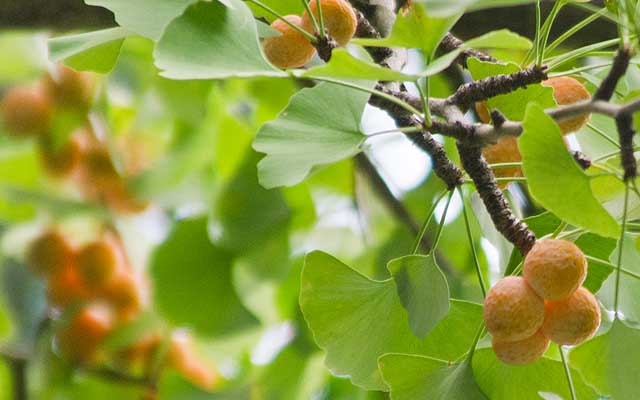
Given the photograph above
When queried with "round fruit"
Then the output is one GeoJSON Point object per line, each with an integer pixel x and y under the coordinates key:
{"type": "Point", "coordinates": [291, 49]}
{"type": "Point", "coordinates": [121, 200]}
{"type": "Point", "coordinates": [555, 268]}
{"type": "Point", "coordinates": [99, 168]}
{"type": "Point", "coordinates": [97, 263]}
{"type": "Point", "coordinates": [50, 254]}
{"type": "Point", "coordinates": [567, 91]}
{"type": "Point", "coordinates": [65, 288]}
{"type": "Point", "coordinates": [483, 112]}
{"type": "Point", "coordinates": [81, 338]}
{"type": "Point", "coordinates": [63, 161]}
{"type": "Point", "coordinates": [123, 293]}
{"type": "Point", "coordinates": [338, 16]}
{"type": "Point", "coordinates": [521, 352]}
{"type": "Point", "coordinates": [572, 320]}
{"type": "Point", "coordinates": [512, 310]}
{"type": "Point", "coordinates": [70, 89]}
{"type": "Point", "coordinates": [505, 151]}
{"type": "Point", "coordinates": [26, 111]}
{"type": "Point", "coordinates": [183, 359]}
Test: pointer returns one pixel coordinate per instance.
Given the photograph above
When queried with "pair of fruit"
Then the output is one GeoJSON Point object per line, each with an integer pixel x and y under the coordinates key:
{"type": "Point", "coordinates": [548, 303]}
{"type": "Point", "coordinates": [566, 91]}
{"type": "Point", "coordinates": [97, 271]}
{"type": "Point", "coordinates": [27, 111]}
{"type": "Point", "coordinates": [292, 49]}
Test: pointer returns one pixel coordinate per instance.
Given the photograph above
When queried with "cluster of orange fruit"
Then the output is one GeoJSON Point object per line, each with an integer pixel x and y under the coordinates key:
{"type": "Point", "coordinates": [547, 304]}
{"type": "Point", "coordinates": [292, 49]}
{"type": "Point", "coordinates": [29, 111]}
{"type": "Point", "coordinates": [95, 289]}
{"type": "Point", "coordinates": [566, 90]}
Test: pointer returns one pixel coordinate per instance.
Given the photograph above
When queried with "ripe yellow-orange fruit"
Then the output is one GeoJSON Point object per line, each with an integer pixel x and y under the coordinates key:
{"type": "Point", "coordinates": [60, 162]}
{"type": "Point", "coordinates": [291, 49]}
{"type": "Point", "coordinates": [521, 352]}
{"type": "Point", "coordinates": [483, 112]}
{"type": "Point", "coordinates": [572, 320]}
{"type": "Point", "coordinates": [123, 293]}
{"type": "Point", "coordinates": [555, 268]}
{"type": "Point", "coordinates": [99, 168]}
{"type": "Point", "coordinates": [338, 16]}
{"type": "Point", "coordinates": [97, 263]}
{"type": "Point", "coordinates": [512, 310]}
{"type": "Point", "coordinates": [80, 340]}
{"type": "Point", "coordinates": [504, 151]}
{"type": "Point", "coordinates": [183, 358]}
{"type": "Point", "coordinates": [50, 254]}
{"type": "Point", "coordinates": [70, 89]}
{"type": "Point", "coordinates": [65, 288]}
{"type": "Point", "coordinates": [121, 200]}
{"type": "Point", "coordinates": [567, 91]}
{"type": "Point", "coordinates": [26, 111]}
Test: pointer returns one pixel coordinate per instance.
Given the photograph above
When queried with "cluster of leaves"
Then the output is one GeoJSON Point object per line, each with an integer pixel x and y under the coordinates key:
{"type": "Point", "coordinates": [226, 254]}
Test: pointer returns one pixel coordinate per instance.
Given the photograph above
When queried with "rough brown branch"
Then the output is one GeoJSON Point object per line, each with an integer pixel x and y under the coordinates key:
{"type": "Point", "coordinates": [626, 132]}
{"type": "Point", "coordinates": [451, 43]}
{"type": "Point", "coordinates": [618, 69]}
{"type": "Point", "coordinates": [514, 230]}
{"type": "Point", "coordinates": [493, 86]}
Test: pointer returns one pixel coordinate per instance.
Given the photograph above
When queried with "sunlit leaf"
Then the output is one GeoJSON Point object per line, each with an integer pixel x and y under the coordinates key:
{"type": "Point", "coordinates": [356, 320]}
{"type": "Point", "coordinates": [212, 41]}
{"type": "Point", "coordinates": [560, 186]}
{"type": "Point", "coordinates": [422, 289]}
{"type": "Point", "coordinates": [413, 377]}
{"type": "Point", "coordinates": [321, 125]}
{"type": "Point", "coordinates": [93, 51]}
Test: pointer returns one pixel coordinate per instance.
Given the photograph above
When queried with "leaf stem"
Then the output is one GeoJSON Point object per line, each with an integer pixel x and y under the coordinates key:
{"type": "Point", "coordinates": [388, 97]}
{"type": "Point", "coordinates": [270, 10]}
{"type": "Point", "coordinates": [436, 239]}
{"type": "Point", "coordinates": [474, 344]}
{"type": "Point", "coordinates": [567, 372]}
{"type": "Point", "coordinates": [472, 244]}
{"type": "Point", "coordinates": [321, 19]}
{"type": "Point", "coordinates": [425, 224]}
{"type": "Point", "coordinates": [424, 96]}
{"type": "Point", "coordinates": [605, 263]}
{"type": "Point", "coordinates": [316, 27]}
{"type": "Point", "coordinates": [620, 248]}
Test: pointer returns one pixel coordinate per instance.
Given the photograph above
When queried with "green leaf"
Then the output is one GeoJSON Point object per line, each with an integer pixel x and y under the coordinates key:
{"type": "Point", "coordinates": [609, 361]}
{"type": "Point", "coordinates": [356, 320]}
{"type": "Point", "coordinates": [145, 17]}
{"type": "Point", "coordinates": [500, 381]}
{"type": "Point", "coordinates": [19, 170]}
{"type": "Point", "coordinates": [555, 180]}
{"type": "Point", "coordinates": [601, 248]}
{"type": "Point", "coordinates": [245, 213]}
{"type": "Point", "coordinates": [321, 125]}
{"type": "Point", "coordinates": [629, 295]}
{"type": "Point", "coordinates": [423, 291]}
{"type": "Point", "coordinates": [93, 51]}
{"type": "Point", "coordinates": [416, 29]}
{"type": "Point", "coordinates": [344, 65]}
{"type": "Point", "coordinates": [192, 282]}
{"type": "Point", "coordinates": [413, 377]}
{"type": "Point", "coordinates": [512, 105]}
{"type": "Point", "coordinates": [211, 41]}
{"type": "Point", "coordinates": [451, 7]}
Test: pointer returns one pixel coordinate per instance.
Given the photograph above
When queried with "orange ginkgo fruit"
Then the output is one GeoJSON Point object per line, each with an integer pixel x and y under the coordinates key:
{"type": "Point", "coordinates": [291, 49]}
{"type": "Point", "coordinates": [566, 91]}
{"type": "Point", "coordinates": [512, 310]}
{"type": "Point", "coordinates": [49, 254]}
{"type": "Point", "coordinates": [572, 320]}
{"type": "Point", "coordinates": [26, 111]}
{"type": "Point", "coordinates": [555, 268]}
{"type": "Point", "coordinates": [339, 19]}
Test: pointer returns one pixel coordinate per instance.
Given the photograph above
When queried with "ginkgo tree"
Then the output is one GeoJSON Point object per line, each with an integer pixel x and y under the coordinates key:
{"type": "Point", "coordinates": [199, 202]}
